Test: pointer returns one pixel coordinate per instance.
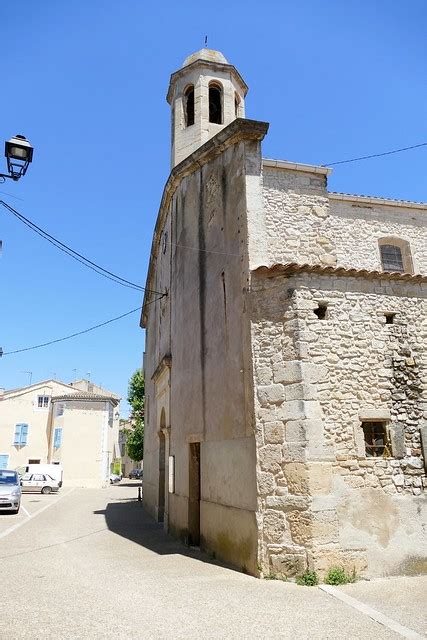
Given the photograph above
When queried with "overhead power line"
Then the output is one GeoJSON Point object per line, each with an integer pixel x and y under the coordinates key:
{"type": "Point", "coordinates": [376, 155]}
{"type": "Point", "coordinates": [74, 254]}
{"type": "Point", "coordinates": [78, 333]}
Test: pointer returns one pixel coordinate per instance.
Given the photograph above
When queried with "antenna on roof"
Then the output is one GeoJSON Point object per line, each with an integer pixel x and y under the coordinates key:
{"type": "Point", "coordinates": [75, 374]}
{"type": "Point", "coordinates": [30, 374]}
{"type": "Point", "coordinates": [206, 42]}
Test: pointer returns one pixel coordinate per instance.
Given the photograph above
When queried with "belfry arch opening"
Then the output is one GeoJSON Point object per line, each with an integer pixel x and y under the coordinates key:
{"type": "Point", "coordinates": [189, 106]}
{"type": "Point", "coordinates": [215, 103]}
{"type": "Point", "coordinates": [237, 105]}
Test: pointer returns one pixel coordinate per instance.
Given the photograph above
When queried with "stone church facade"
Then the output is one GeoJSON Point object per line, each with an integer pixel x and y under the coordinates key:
{"type": "Point", "coordinates": [286, 368]}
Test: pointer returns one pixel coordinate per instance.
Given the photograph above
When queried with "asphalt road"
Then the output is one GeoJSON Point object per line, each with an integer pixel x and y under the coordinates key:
{"type": "Point", "coordinates": [91, 564]}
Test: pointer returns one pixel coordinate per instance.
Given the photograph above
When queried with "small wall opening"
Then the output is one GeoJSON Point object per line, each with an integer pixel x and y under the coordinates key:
{"type": "Point", "coordinates": [389, 318]}
{"type": "Point", "coordinates": [215, 103]}
{"type": "Point", "coordinates": [189, 106]}
{"type": "Point", "coordinates": [377, 444]}
{"type": "Point", "coordinates": [321, 311]}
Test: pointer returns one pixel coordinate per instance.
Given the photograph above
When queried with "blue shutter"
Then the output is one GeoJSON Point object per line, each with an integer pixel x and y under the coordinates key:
{"type": "Point", "coordinates": [4, 460]}
{"type": "Point", "coordinates": [24, 433]}
{"type": "Point", "coordinates": [21, 434]}
{"type": "Point", "coordinates": [57, 440]}
{"type": "Point", "coordinates": [17, 437]}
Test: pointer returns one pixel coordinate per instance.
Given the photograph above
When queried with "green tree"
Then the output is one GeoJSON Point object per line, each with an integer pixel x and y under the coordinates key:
{"type": "Point", "coordinates": [136, 398]}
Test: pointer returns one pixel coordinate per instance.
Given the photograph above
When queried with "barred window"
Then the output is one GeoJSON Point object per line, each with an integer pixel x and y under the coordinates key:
{"type": "Point", "coordinates": [376, 439]}
{"type": "Point", "coordinates": [395, 255]}
{"type": "Point", "coordinates": [391, 258]}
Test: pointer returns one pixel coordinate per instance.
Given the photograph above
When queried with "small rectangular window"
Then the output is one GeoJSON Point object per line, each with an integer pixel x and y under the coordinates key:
{"type": "Point", "coordinates": [4, 460]}
{"type": "Point", "coordinates": [43, 402]}
{"type": "Point", "coordinates": [377, 444]}
{"type": "Point", "coordinates": [60, 410]}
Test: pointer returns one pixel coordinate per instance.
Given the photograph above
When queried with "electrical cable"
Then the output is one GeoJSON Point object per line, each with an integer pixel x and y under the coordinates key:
{"type": "Point", "coordinates": [74, 254]}
{"type": "Point", "coordinates": [375, 155]}
{"type": "Point", "coordinates": [79, 333]}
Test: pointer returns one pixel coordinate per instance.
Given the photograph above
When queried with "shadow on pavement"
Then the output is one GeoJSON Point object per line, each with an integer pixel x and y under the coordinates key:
{"type": "Point", "coordinates": [128, 518]}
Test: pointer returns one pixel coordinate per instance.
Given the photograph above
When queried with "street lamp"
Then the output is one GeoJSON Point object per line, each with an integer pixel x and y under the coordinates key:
{"type": "Point", "coordinates": [19, 154]}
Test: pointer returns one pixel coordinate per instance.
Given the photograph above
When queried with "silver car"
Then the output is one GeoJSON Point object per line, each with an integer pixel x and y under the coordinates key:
{"type": "Point", "coordinates": [10, 491]}
{"type": "Point", "coordinates": [38, 482]}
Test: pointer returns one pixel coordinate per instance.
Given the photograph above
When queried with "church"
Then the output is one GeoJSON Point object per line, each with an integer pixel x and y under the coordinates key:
{"type": "Point", "coordinates": [285, 361]}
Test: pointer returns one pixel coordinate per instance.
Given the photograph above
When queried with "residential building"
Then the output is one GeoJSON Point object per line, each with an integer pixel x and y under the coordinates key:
{"type": "Point", "coordinates": [54, 422]}
{"type": "Point", "coordinates": [286, 368]}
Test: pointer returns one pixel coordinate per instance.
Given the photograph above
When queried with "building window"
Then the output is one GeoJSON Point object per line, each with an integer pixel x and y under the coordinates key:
{"type": "Point", "coordinates": [21, 434]}
{"type": "Point", "coordinates": [189, 106]}
{"type": "Point", "coordinates": [60, 410]}
{"type": "Point", "coordinates": [215, 103]}
{"type": "Point", "coordinates": [42, 402]}
{"type": "Point", "coordinates": [395, 255]}
{"type": "Point", "coordinates": [377, 444]}
{"type": "Point", "coordinates": [391, 258]}
{"type": "Point", "coordinates": [4, 460]}
{"type": "Point", "coordinates": [34, 461]}
{"type": "Point", "coordinates": [57, 438]}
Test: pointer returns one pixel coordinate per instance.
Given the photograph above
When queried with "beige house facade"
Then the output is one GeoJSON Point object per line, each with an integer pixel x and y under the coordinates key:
{"type": "Point", "coordinates": [53, 422]}
{"type": "Point", "coordinates": [286, 367]}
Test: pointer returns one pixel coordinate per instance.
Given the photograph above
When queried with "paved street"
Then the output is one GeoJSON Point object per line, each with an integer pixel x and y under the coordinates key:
{"type": "Point", "coordinates": [92, 564]}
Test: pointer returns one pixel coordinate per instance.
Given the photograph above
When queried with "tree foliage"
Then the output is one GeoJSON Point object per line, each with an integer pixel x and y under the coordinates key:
{"type": "Point", "coordinates": [136, 398]}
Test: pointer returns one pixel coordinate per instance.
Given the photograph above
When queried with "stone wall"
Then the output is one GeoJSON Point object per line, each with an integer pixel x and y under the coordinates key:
{"type": "Point", "coordinates": [322, 501]}
{"type": "Point", "coordinates": [305, 224]}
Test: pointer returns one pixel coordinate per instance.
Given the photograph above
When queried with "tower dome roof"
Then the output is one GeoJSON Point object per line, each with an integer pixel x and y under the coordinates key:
{"type": "Point", "coordinates": [210, 55]}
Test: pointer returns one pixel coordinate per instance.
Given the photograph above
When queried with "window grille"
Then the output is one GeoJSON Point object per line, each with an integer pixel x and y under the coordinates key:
{"type": "Point", "coordinates": [391, 258]}
{"type": "Point", "coordinates": [376, 440]}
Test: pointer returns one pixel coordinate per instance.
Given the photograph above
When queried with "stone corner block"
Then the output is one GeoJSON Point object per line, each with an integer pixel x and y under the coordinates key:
{"type": "Point", "coordinates": [270, 394]}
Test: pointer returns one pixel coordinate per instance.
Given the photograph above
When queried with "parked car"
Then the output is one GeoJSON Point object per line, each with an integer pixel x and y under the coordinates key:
{"type": "Point", "coordinates": [10, 491]}
{"type": "Point", "coordinates": [114, 478]}
{"type": "Point", "coordinates": [135, 474]}
{"type": "Point", "coordinates": [38, 482]}
{"type": "Point", "coordinates": [55, 471]}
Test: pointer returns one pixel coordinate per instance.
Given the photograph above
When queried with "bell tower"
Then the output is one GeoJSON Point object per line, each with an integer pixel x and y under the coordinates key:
{"type": "Point", "coordinates": [205, 95]}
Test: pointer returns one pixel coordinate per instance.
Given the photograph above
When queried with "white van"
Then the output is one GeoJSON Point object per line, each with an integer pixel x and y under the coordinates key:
{"type": "Point", "coordinates": [55, 471]}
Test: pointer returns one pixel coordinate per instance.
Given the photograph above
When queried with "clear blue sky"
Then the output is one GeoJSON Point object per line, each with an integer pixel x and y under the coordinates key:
{"type": "Point", "coordinates": [86, 83]}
